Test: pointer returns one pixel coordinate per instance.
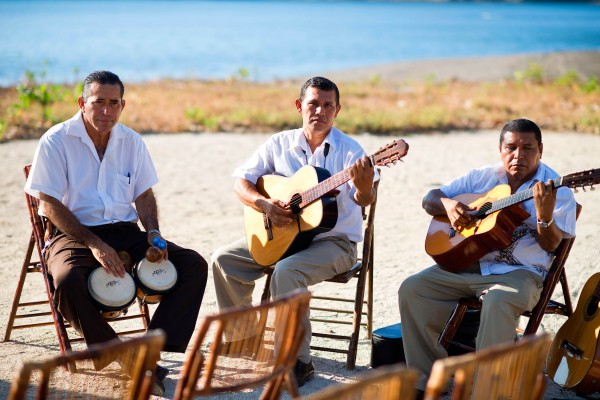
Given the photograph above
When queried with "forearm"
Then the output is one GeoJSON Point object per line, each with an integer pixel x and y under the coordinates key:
{"type": "Point", "coordinates": [147, 210]}
{"type": "Point", "coordinates": [433, 202]}
{"type": "Point", "coordinates": [66, 221]}
{"type": "Point", "coordinates": [248, 194]}
{"type": "Point", "coordinates": [364, 199]}
{"type": "Point", "coordinates": [549, 238]}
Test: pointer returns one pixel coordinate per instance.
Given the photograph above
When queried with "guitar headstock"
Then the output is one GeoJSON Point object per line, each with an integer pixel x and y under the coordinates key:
{"type": "Point", "coordinates": [390, 153]}
{"type": "Point", "coordinates": [582, 179]}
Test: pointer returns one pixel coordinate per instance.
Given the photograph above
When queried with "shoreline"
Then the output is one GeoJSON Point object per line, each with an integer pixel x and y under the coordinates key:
{"type": "Point", "coordinates": [585, 63]}
{"type": "Point", "coordinates": [491, 68]}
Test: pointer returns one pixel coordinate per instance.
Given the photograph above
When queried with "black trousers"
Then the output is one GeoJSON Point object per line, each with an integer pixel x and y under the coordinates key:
{"type": "Point", "coordinates": [70, 263]}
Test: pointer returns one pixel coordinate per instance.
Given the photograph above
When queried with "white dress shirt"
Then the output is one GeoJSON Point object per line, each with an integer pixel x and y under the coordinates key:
{"type": "Point", "coordinates": [66, 166]}
{"type": "Point", "coordinates": [524, 252]}
{"type": "Point", "coordinates": [286, 152]}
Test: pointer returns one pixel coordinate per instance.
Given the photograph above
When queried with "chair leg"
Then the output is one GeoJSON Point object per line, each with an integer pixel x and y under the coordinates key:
{"type": "Point", "coordinates": [19, 289]}
{"type": "Point", "coordinates": [565, 288]}
{"type": "Point", "coordinates": [267, 290]}
{"type": "Point", "coordinates": [370, 295]}
{"type": "Point", "coordinates": [452, 325]}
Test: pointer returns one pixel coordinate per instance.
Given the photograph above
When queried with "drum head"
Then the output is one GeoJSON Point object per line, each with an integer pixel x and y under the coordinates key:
{"type": "Point", "coordinates": [159, 277]}
{"type": "Point", "coordinates": [111, 291]}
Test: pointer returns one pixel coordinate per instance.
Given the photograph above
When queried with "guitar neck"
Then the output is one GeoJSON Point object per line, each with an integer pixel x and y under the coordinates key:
{"type": "Point", "coordinates": [513, 199]}
{"type": "Point", "coordinates": [316, 192]}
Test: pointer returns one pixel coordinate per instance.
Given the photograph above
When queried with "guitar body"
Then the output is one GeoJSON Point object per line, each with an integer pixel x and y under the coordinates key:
{"type": "Point", "coordinates": [270, 244]}
{"type": "Point", "coordinates": [455, 252]}
{"type": "Point", "coordinates": [574, 356]}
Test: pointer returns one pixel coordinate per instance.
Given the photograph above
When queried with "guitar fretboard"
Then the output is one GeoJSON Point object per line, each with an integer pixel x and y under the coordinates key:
{"type": "Point", "coordinates": [316, 192]}
{"type": "Point", "coordinates": [513, 199]}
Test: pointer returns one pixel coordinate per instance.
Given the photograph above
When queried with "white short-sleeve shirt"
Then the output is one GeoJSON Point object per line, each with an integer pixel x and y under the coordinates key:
{"type": "Point", "coordinates": [524, 251]}
{"type": "Point", "coordinates": [286, 152]}
{"type": "Point", "coordinates": [66, 166]}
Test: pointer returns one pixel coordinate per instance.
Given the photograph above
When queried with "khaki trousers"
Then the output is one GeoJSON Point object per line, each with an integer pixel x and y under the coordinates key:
{"type": "Point", "coordinates": [235, 271]}
{"type": "Point", "coordinates": [428, 298]}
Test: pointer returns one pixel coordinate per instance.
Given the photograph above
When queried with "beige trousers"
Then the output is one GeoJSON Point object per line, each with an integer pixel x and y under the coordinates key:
{"type": "Point", "coordinates": [234, 273]}
{"type": "Point", "coordinates": [428, 298]}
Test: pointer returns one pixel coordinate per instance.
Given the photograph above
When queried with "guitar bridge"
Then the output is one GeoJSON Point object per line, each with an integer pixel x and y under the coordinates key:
{"type": "Point", "coordinates": [268, 227]}
{"type": "Point", "coordinates": [571, 349]}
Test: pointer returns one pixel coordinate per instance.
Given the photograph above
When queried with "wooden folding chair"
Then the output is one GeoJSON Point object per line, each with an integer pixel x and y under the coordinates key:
{"type": "Point", "coordinates": [545, 304]}
{"type": "Point", "coordinates": [245, 347]}
{"type": "Point", "coordinates": [130, 377]}
{"type": "Point", "coordinates": [31, 310]}
{"type": "Point", "coordinates": [505, 371]}
{"type": "Point", "coordinates": [325, 306]}
{"type": "Point", "coordinates": [392, 382]}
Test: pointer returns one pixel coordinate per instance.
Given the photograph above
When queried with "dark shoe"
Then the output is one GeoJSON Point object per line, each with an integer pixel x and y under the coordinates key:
{"type": "Point", "coordinates": [303, 372]}
{"type": "Point", "coordinates": [161, 373]}
{"type": "Point", "coordinates": [158, 385]}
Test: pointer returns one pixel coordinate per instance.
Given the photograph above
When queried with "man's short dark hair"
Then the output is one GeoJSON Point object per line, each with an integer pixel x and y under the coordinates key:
{"type": "Point", "coordinates": [102, 78]}
{"type": "Point", "coordinates": [320, 83]}
{"type": "Point", "coordinates": [522, 125]}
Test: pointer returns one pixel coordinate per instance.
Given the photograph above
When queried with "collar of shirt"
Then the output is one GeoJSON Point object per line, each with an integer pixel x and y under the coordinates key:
{"type": "Point", "coordinates": [301, 144]}
{"type": "Point", "coordinates": [77, 128]}
{"type": "Point", "coordinates": [538, 176]}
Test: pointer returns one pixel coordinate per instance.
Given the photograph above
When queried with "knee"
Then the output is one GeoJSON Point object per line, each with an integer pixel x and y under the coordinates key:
{"type": "Point", "coordinates": [502, 302]}
{"type": "Point", "coordinates": [218, 258]}
{"type": "Point", "coordinates": [71, 284]}
{"type": "Point", "coordinates": [285, 275]}
{"type": "Point", "coordinates": [409, 287]}
{"type": "Point", "coordinates": [195, 268]}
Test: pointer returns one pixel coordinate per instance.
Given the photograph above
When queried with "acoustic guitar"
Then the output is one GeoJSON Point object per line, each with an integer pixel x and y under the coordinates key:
{"type": "Point", "coordinates": [308, 194]}
{"type": "Point", "coordinates": [574, 356]}
{"type": "Point", "coordinates": [496, 216]}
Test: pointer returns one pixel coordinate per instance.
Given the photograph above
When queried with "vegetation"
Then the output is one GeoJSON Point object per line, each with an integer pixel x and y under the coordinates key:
{"type": "Point", "coordinates": [375, 106]}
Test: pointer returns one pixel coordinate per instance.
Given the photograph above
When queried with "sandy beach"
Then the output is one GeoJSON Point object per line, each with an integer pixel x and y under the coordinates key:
{"type": "Point", "coordinates": [199, 210]}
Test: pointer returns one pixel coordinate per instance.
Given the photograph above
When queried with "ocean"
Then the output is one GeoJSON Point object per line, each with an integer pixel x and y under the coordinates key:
{"type": "Point", "coordinates": [62, 41]}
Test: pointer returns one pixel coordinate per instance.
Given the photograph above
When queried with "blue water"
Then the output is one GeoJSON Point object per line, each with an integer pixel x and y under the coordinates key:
{"type": "Point", "coordinates": [142, 40]}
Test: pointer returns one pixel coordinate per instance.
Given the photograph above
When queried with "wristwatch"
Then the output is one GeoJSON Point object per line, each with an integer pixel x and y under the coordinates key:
{"type": "Point", "coordinates": [544, 224]}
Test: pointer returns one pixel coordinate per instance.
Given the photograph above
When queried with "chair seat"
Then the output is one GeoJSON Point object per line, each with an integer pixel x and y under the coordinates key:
{"type": "Point", "coordinates": [345, 277]}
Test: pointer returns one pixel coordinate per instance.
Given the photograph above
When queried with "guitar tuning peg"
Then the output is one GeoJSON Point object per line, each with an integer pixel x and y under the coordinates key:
{"type": "Point", "coordinates": [583, 187]}
{"type": "Point", "coordinates": [592, 188]}
{"type": "Point", "coordinates": [575, 190]}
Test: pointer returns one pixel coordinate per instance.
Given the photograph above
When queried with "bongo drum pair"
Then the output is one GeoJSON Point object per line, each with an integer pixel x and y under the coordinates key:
{"type": "Point", "coordinates": [113, 295]}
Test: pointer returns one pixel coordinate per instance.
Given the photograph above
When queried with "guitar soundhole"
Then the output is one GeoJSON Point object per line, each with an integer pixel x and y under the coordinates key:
{"type": "Point", "coordinates": [592, 307]}
{"type": "Point", "coordinates": [295, 204]}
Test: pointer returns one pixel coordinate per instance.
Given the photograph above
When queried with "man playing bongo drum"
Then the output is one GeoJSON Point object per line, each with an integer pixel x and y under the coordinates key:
{"type": "Point", "coordinates": [88, 172]}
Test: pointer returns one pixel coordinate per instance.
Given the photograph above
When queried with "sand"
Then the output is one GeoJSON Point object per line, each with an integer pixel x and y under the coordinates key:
{"type": "Point", "coordinates": [199, 210]}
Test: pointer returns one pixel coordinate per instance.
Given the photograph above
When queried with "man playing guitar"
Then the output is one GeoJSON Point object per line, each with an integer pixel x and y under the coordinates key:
{"type": "Point", "coordinates": [509, 280]}
{"type": "Point", "coordinates": [318, 144]}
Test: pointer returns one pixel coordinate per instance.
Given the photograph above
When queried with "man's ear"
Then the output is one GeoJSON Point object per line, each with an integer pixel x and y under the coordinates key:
{"type": "Point", "coordinates": [81, 103]}
{"type": "Point", "coordinates": [298, 106]}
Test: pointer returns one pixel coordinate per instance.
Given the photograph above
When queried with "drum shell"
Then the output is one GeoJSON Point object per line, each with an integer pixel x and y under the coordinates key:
{"type": "Point", "coordinates": [109, 311]}
{"type": "Point", "coordinates": [144, 291]}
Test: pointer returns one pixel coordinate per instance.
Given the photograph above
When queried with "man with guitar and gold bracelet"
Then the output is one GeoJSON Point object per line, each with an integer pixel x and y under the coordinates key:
{"type": "Point", "coordinates": [318, 144]}
{"type": "Point", "coordinates": [501, 257]}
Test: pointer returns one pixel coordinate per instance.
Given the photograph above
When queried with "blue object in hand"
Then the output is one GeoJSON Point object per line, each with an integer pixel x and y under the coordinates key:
{"type": "Point", "coordinates": [158, 242]}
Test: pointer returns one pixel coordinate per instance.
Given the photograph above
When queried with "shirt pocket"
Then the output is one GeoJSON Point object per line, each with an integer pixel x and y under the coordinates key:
{"type": "Point", "coordinates": [122, 189]}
